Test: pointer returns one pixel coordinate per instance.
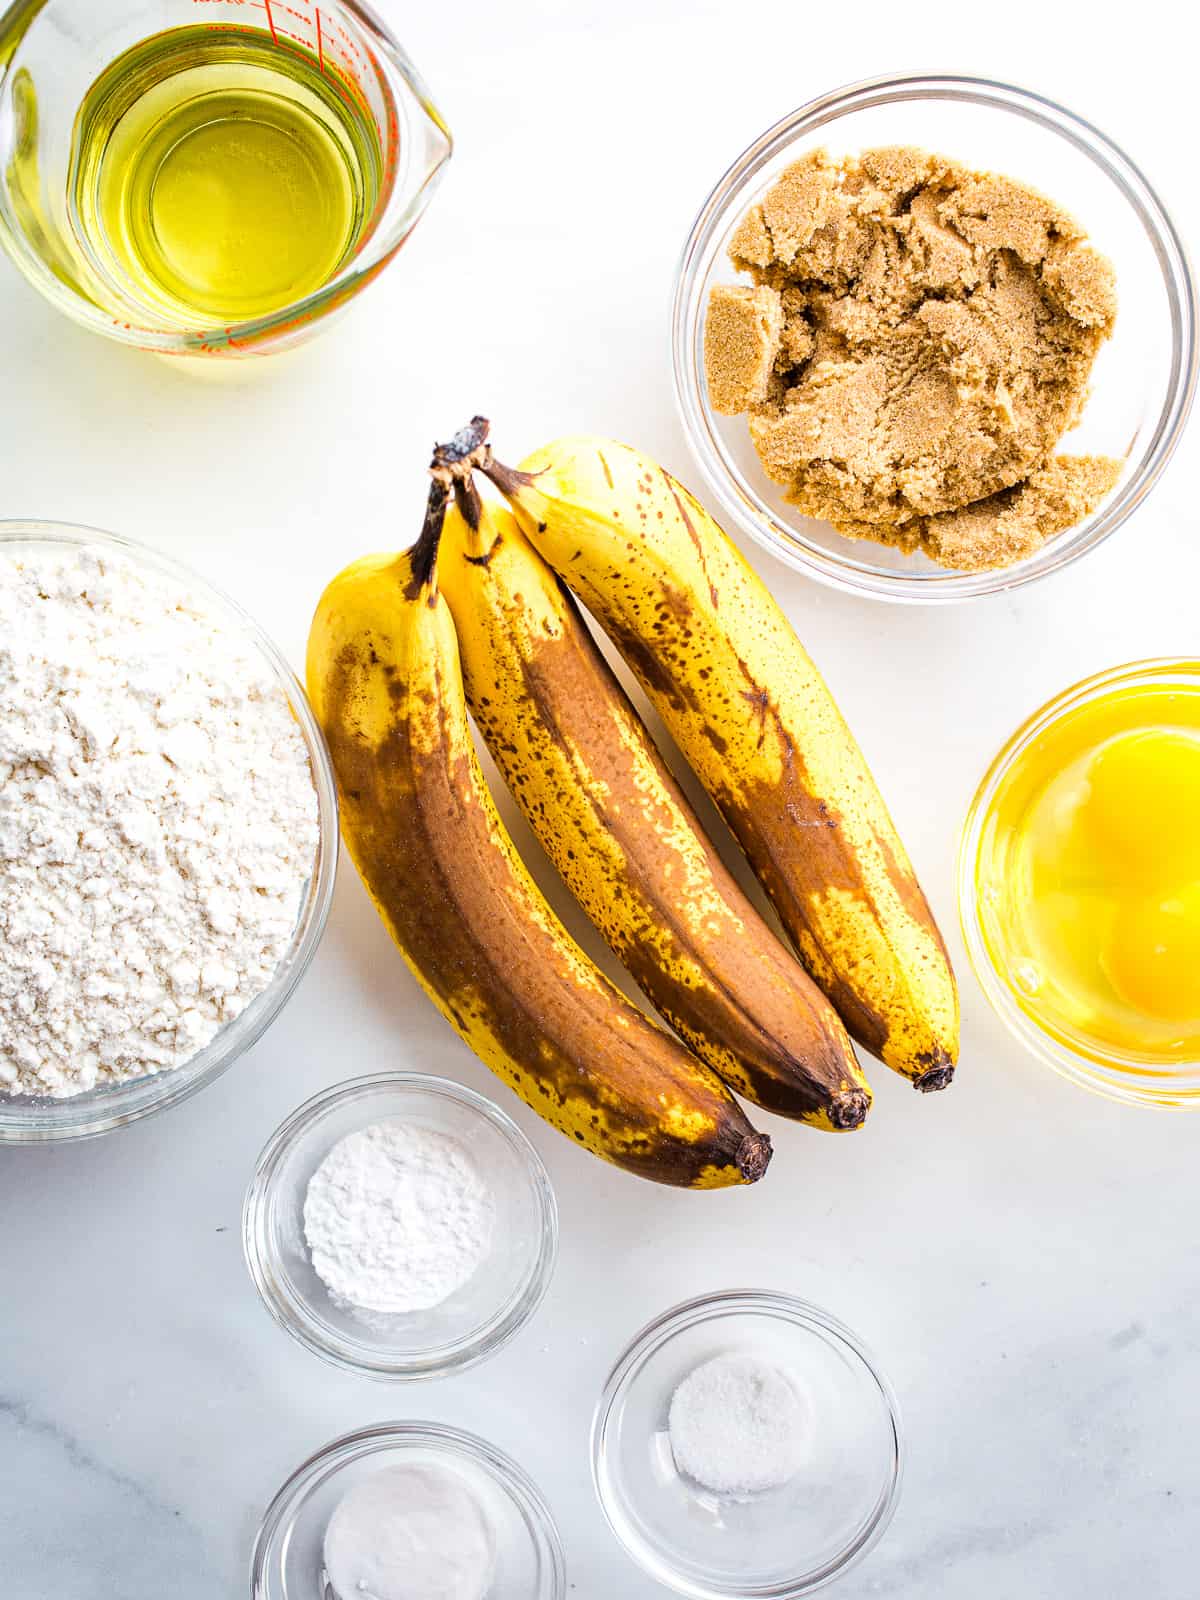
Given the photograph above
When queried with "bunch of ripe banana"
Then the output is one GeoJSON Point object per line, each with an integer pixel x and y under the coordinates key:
{"type": "Point", "coordinates": [479, 613]}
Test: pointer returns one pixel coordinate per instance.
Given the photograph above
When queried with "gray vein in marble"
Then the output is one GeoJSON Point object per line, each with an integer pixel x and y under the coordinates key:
{"type": "Point", "coordinates": [102, 1534]}
{"type": "Point", "coordinates": [20, 1414]}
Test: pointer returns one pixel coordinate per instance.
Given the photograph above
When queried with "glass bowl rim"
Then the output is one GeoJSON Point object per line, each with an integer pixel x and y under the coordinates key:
{"type": "Point", "coordinates": [293, 1317]}
{"type": "Point", "coordinates": [45, 1120]}
{"type": "Point", "coordinates": [658, 1333]}
{"type": "Point", "coordinates": [253, 332]}
{"type": "Point", "coordinates": [508, 1475]}
{"type": "Point", "coordinates": [1124, 1079]}
{"type": "Point", "coordinates": [747, 511]}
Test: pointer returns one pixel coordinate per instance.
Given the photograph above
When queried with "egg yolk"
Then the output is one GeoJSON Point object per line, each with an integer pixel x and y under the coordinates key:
{"type": "Point", "coordinates": [1089, 877]}
{"type": "Point", "coordinates": [1142, 820]}
{"type": "Point", "coordinates": [1153, 957]}
{"type": "Point", "coordinates": [1143, 807]}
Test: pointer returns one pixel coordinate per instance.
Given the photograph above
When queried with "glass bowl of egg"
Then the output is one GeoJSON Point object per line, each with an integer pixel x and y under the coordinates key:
{"type": "Point", "coordinates": [1079, 883]}
{"type": "Point", "coordinates": [401, 1226]}
{"type": "Point", "coordinates": [408, 1508]}
{"type": "Point", "coordinates": [746, 1443]}
{"type": "Point", "coordinates": [898, 478]}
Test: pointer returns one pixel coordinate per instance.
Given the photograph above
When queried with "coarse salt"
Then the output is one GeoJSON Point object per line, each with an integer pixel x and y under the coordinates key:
{"type": "Point", "coordinates": [737, 1425]}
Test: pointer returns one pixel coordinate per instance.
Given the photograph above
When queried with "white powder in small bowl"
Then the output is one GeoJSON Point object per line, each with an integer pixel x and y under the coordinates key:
{"type": "Point", "coordinates": [397, 1217]}
{"type": "Point", "coordinates": [410, 1533]}
{"type": "Point", "coordinates": [738, 1426]}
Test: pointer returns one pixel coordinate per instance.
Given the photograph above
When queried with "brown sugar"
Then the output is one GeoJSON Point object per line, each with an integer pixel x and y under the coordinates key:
{"type": "Point", "coordinates": [918, 339]}
{"type": "Point", "coordinates": [742, 335]}
{"type": "Point", "coordinates": [1008, 526]}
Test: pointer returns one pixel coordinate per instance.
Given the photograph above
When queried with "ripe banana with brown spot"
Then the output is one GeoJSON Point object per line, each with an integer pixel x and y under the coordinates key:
{"type": "Point", "coordinates": [583, 769]}
{"type": "Point", "coordinates": [421, 826]}
{"type": "Point", "coordinates": [751, 713]}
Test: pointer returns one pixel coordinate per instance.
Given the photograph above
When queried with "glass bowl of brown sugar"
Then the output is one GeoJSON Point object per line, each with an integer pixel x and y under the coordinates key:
{"type": "Point", "coordinates": [1141, 385]}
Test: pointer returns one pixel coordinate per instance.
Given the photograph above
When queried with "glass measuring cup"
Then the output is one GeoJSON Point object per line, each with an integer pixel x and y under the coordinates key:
{"type": "Point", "coordinates": [53, 51]}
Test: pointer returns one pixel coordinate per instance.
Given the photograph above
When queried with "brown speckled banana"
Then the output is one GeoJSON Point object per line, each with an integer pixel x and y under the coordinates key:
{"type": "Point", "coordinates": [385, 683]}
{"type": "Point", "coordinates": [754, 718]}
{"type": "Point", "coordinates": [589, 779]}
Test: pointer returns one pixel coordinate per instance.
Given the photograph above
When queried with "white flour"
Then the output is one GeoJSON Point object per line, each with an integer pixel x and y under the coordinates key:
{"type": "Point", "coordinates": [158, 822]}
{"type": "Point", "coordinates": [397, 1217]}
{"type": "Point", "coordinates": [738, 1426]}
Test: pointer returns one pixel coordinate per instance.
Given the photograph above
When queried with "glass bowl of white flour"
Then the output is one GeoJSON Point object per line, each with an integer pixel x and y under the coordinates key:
{"type": "Point", "coordinates": [400, 1225]}
{"type": "Point", "coordinates": [746, 1443]}
{"type": "Point", "coordinates": [168, 832]}
{"type": "Point", "coordinates": [463, 1516]}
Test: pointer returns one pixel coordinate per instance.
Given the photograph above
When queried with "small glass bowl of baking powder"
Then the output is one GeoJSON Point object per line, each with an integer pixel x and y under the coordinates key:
{"type": "Point", "coordinates": [487, 1309]}
{"type": "Point", "coordinates": [40, 1119]}
{"type": "Point", "coordinates": [288, 1560]}
{"type": "Point", "coordinates": [843, 1467]}
{"type": "Point", "coordinates": [1144, 379]}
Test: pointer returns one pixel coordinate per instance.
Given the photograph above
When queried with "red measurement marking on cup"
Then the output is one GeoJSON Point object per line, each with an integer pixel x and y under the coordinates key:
{"type": "Point", "coordinates": [270, 21]}
{"type": "Point", "coordinates": [320, 41]}
{"type": "Point", "coordinates": [350, 47]}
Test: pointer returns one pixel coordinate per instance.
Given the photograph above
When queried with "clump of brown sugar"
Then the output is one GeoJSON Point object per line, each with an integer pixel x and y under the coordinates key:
{"type": "Point", "coordinates": [917, 340]}
{"type": "Point", "coordinates": [742, 338]}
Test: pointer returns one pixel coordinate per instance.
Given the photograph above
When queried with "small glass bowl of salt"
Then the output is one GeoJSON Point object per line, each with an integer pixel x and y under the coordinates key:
{"type": "Point", "coordinates": [406, 1508]}
{"type": "Point", "coordinates": [746, 1443]}
{"type": "Point", "coordinates": [401, 1226]}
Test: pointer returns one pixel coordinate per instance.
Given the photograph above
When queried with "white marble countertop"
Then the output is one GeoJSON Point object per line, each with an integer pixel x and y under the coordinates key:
{"type": "Point", "coordinates": [1017, 1252]}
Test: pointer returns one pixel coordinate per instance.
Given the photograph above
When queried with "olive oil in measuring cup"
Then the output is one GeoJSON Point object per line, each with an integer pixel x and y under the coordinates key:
{"type": "Point", "coordinates": [219, 175]}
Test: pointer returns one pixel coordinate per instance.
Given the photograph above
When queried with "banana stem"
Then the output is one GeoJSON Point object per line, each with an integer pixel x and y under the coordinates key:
{"type": "Point", "coordinates": [456, 460]}
{"type": "Point", "coordinates": [454, 466]}
{"type": "Point", "coordinates": [507, 479]}
{"type": "Point", "coordinates": [452, 469]}
{"type": "Point", "coordinates": [469, 452]}
{"type": "Point", "coordinates": [424, 553]}
{"type": "Point", "coordinates": [468, 501]}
